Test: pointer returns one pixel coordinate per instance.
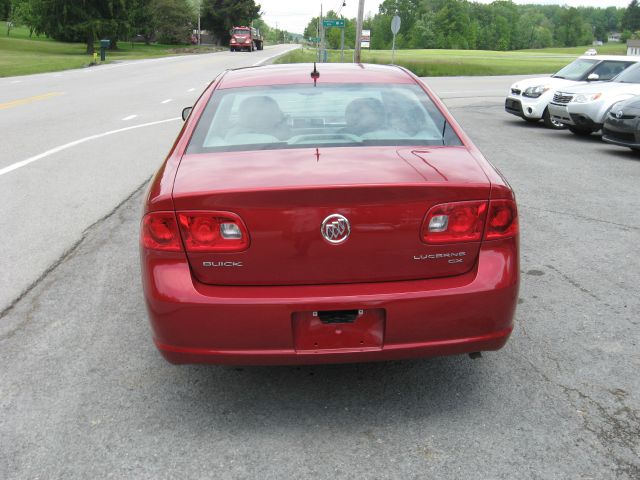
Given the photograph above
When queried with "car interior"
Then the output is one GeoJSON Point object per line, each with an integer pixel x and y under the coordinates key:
{"type": "Point", "coordinates": [267, 117]}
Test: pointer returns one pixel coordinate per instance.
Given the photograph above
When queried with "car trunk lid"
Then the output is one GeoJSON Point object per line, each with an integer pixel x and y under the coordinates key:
{"type": "Point", "coordinates": [283, 197]}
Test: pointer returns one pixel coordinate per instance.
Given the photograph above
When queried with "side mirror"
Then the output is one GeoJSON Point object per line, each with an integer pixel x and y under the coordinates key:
{"type": "Point", "coordinates": [186, 112]}
{"type": "Point", "coordinates": [593, 77]}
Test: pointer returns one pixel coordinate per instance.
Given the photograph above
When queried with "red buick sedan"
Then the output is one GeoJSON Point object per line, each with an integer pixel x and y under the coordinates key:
{"type": "Point", "coordinates": [324, 216]}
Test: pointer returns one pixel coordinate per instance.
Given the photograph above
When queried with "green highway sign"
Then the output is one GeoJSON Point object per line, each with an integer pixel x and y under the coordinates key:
{"type": "Point", "coordinates": [333, 23]}
{"type": "Point", "coordinates": [314, 39]}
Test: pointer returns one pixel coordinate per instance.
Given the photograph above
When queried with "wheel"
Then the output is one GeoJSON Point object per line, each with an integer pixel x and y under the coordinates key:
{"type": "Point", "coordinates": [549, 122]}
{"type": "Point", "coordinates": [531, 120]}
{"type": "Point", "coordinates": [581, 131]}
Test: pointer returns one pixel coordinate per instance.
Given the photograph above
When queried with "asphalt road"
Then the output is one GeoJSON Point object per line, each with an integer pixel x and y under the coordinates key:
{"type": "Point", "coordinates": [83, 393]}
{"type": "Point", "coordinates": [47, 205]}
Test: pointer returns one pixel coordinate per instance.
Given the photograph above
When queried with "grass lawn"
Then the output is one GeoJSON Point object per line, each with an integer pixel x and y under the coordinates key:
{"type": "Point", "coordinates": [464, 62]}
{"type": "Point", "coordinates": [21, 55]}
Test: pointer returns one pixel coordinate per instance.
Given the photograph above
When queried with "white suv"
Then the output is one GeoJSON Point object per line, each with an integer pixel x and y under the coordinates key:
{"type": "Point", "coordinates": [529, 98]}
{"type": "Point", "coordinates": [583, 108]}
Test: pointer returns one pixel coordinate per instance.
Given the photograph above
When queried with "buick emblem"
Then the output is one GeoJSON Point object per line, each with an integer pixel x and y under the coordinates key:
{"type": "Point", "coordinates": [619, 114]}
{"type": "Point", "coordinates": [335, 229]}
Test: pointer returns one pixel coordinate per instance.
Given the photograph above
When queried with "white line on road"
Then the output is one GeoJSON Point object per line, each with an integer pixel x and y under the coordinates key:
{"type": "Point", "coordinates": [130, 117]}
{"type": "Point", "coordinates": [35, 158]}
{"type": "Point", "coordinates": [274, 56]}
{"type": "Point", "coordinates": [16, 81]}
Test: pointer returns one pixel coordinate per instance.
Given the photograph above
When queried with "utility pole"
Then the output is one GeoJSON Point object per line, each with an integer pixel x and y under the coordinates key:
{"type": "Point", "coordinates": [356, 52]}
{"type": "Point", "coordinates": [199, 30]}
{"type": "Point", "coordinates": [321, 35]}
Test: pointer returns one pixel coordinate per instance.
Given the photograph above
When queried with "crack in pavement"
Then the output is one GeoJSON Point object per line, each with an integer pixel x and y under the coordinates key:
{"type": "Point", "coordinates": [621, 428]}
{"type": "Point", "coordinates": [573, 282]}
{"type": "Point", "coordinates": [582, 217]}
{"type": "Point", "coordinates": [65, 255]}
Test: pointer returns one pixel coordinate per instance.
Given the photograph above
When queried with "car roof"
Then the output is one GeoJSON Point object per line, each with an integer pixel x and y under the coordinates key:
{"type": "Point", "coordinates": [632, 58]}
{"type": "Point", "coordinates": [296, 73]}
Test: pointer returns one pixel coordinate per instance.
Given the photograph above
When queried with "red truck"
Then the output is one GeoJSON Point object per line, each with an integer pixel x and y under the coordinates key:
{"type": "Point", "coordinates": [245, 38]}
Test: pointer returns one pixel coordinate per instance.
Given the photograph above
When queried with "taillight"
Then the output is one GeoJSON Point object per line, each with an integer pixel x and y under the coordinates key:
{"type": "Point", "coordinates": [503, 219]}
{"type": "Point", "coordinates": [455, 222]}
{"type": "Point", "coordinates": [465, 221]}
{"type": "Point", "coordinates": [160, 232]}
{"type": "Point", "coordinates": [213, 232]}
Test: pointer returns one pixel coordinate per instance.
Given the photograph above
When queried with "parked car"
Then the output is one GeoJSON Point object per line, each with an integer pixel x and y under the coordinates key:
{"type": "Point", "coordinates": [591, 51]}
{"type": "Point", "coordinates": [330, 215]}
{"type": "Point", "coordinates": [583, 108]}
{"type": "Point", "coordinates": [530, 98]}
{"type": "Point", "coordinates": [621, 124]}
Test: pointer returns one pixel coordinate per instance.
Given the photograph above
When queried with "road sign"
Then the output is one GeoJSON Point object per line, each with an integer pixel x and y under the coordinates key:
{"type": "Point", "coordinates": [395, 28]}
{"type": "Point", "coordinates": [365, 39]}
{"type": "Point", "coordinates": [334, 22]}
{"type": "Point", "coordinates": [395, 25]}
{"type": "Point", "coordinates": [314, 39]}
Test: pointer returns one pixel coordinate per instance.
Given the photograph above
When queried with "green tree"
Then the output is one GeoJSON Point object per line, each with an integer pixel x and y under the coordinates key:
{"type": "Point", "coordinates": [173, 20]}
{"type": "Point", "coordinates": [571, 30]}
{"type": "Point", "coordinates": [82, 20]}
{"type": "Point", "coordinates": [631, 18]}
{"type": "Point", "coordinates": [219, 16]}
{"type": "Point", "coordinates": [5, 7]}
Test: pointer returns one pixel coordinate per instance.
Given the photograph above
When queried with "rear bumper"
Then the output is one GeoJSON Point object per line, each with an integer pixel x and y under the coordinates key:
{"type": "Point", "coordinates": [196, 323]}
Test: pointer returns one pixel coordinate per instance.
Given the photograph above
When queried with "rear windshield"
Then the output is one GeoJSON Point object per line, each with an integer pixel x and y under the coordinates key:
{"type": "Point", "coordinates": [576, 70]}
{"type": "Point", "coordinates": [296, 116]}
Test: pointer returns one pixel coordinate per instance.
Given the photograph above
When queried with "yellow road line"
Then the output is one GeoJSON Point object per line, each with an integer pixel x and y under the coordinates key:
{"type": "Point", "coordinates": [24, 101]}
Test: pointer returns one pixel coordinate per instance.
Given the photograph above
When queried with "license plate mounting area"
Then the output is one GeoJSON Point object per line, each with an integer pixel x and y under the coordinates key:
{"type": "Point", "coordinates": [342, 330]}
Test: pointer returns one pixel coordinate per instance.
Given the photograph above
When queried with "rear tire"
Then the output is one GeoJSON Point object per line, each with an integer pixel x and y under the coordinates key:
{"type": "Point", "coordinates": [581, 131]}
{"type": "Point", "coordinates": [549, 122]}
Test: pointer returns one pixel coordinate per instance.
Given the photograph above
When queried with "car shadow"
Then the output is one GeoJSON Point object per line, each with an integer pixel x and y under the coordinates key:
{"type": "Point", "coordinates": [340, 396]}
{"type": "Point", "coordinates": [623, 153]}
{"type": "Point", "coordinates": [518, 123]}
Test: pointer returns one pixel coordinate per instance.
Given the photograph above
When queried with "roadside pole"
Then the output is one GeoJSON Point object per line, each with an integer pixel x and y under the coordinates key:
{"type": "Point", "coordinates": [199, 30]}
{"type": "Point", "coordinates": [395, 28]}
{"type": "Point", "coordinates": [356, 52]}
{"type": "Point", "coordinates": [334, 23]}
{"type": "Point", "coordinates": [321, 35]}
{"type": "Point", "coordinates": [318, 36]}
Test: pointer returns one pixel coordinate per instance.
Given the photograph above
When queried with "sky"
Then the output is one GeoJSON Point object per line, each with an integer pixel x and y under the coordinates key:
{"type": "Point", "coordinates": [294, 15]}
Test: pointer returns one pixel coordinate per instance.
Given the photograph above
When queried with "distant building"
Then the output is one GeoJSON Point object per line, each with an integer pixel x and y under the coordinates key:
{"type": "Point", "coordinates": [613, 37]}
{"type": "Point", "coordinates": [633, 47]}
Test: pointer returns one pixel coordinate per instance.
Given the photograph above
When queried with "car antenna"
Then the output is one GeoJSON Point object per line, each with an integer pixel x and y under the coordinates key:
{"type": "Point", "coordinates": [315, 74]}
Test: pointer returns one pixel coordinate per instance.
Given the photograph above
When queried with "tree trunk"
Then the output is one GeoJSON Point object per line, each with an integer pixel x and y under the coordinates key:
{"type": "Point", "coordinates": [90, 48]}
